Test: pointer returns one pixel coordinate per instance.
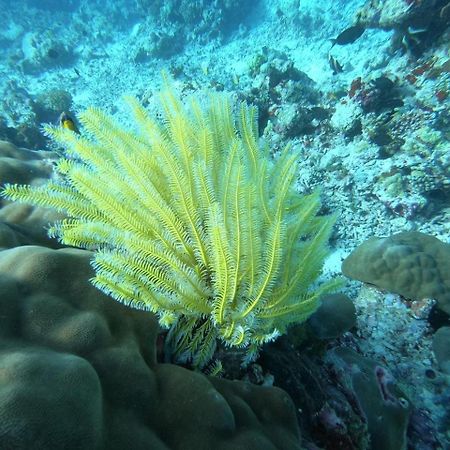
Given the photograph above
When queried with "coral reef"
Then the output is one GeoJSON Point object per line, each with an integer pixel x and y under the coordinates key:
{"type": "Point", "coordinates": [335, 316]}
{"type": "Point", "coordinates": [23, 166]}
{"type": "Point", "coordinates": [288, 100]}
{"type": "Point", "coordinates": [42, 50]}
{"type": "Point", "coordinates": [384, 405]}
{"type": "Point", "coordinates": [411, 264]}
{"type": "Point", "coordinates": [24, 224]}
{"type": "Point", "coordinates": [80, 371]}
{"type": "Point", "coordinates": [96, 338]}
{"type": "Point", "coordinates": [441, 348]}
{"type": "Point", "coordinates": [417, 23]}
{"type": "Point", "coordinates": [23, 114]}
{"type": "Point", "coordinates": [18, 121]}
{"type": "Point", "coordinates": [170, 25]}
{"type": "Point", "coordinates": [374, 137]}
{"type": "Point", "coordinates": [341, 396]}
{"type": "Point", "coordinates": [48, 105]}
{"type": "Point", "coordinates": [392, 13]}
{"type": "Point", "coordinates": [379, 95]}
{"type": "Point", "coordinates": [402, 119]}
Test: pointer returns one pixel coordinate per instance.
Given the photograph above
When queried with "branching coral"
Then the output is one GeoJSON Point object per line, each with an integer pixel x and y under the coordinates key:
{"type": "Point", "coordinates": [192, 220]}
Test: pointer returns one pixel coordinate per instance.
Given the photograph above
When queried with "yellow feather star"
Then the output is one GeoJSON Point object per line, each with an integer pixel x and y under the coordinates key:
{"type": "Point", "coordinates": [189, 218]}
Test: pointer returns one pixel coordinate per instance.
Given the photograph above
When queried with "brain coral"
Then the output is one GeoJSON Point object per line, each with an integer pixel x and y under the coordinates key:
{"type": "Point", "coordinates": [412, 264]}
{"type": "Point", "coordinates": [79, 371]}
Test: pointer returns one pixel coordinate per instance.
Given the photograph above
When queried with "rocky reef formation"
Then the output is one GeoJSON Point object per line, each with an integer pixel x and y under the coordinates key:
{"type": "Point", "coordinates": [81, 370]}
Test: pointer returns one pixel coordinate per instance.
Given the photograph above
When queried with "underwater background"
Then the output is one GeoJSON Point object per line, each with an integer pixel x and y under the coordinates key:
{"type": "Point", "coordinates": [360, 92]}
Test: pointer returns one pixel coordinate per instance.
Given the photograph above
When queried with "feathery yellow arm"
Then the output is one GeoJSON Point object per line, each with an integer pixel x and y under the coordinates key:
{"type": "Point", "coordinates": [190, 218]}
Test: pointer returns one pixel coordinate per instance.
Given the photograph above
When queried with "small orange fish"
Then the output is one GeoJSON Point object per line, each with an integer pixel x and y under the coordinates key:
{"type": "Point", "coordinates": [68, 123]}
